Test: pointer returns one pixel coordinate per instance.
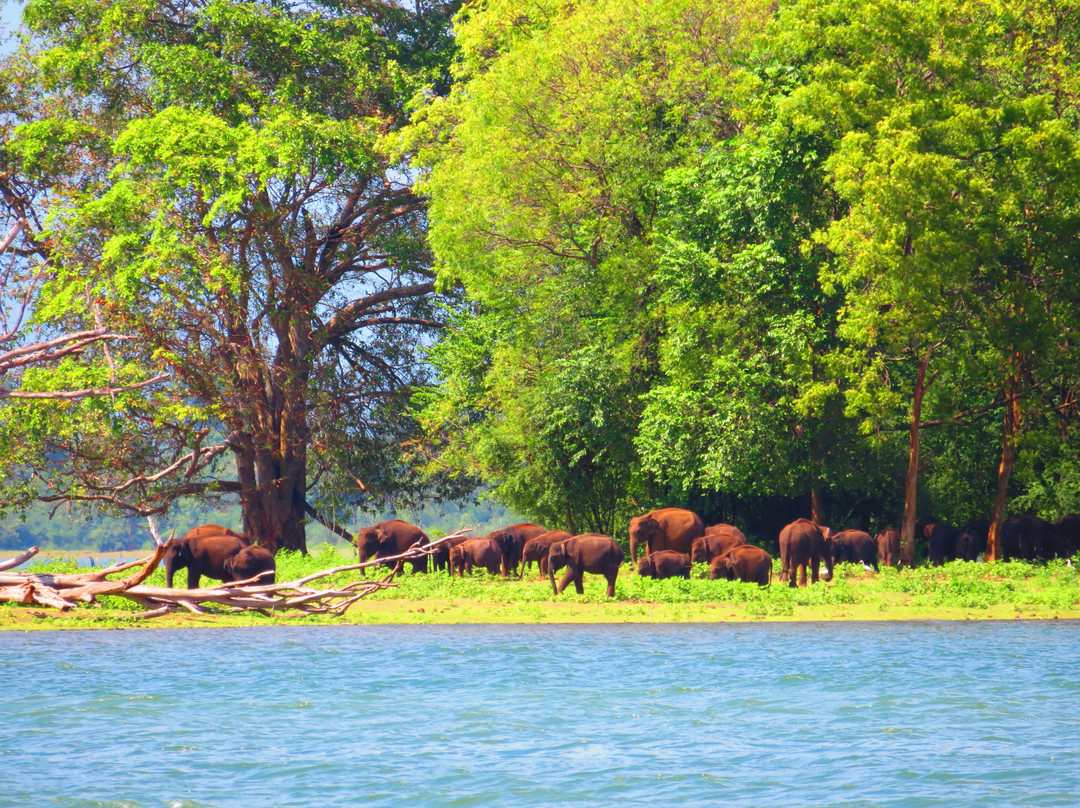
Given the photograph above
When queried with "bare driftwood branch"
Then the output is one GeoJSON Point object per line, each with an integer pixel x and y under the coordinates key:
{"type": "Point", "coordinates": [65, 591]}
{"type": "Point", "coordinates": [21, 558]}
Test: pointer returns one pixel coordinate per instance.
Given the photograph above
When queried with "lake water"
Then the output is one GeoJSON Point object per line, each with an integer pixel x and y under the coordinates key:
{"type": "Point", "coordinates": [841, 714]}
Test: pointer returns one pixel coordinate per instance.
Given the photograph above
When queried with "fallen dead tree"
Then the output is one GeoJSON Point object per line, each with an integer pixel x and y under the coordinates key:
{"type": "Point", "coordinates": [66, 591]}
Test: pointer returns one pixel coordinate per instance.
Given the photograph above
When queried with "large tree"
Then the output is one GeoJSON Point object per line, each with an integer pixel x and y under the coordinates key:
{"type": "Point", "coordinates": [228, 199]}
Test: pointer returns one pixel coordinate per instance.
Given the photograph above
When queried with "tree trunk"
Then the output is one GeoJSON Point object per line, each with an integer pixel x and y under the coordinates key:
{"type": "Point", "coordinates": [907, 527]}
{"type": "Point", "coordinates": [273, 496]}
{"type": "Point", "coordinates": [1009, 431]}
{"type": "Point", "coordinates": [817, 462]}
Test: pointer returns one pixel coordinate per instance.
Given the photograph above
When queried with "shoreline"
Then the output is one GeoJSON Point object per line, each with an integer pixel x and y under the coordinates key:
{"type": "Point", "coordinates": [400, 612]}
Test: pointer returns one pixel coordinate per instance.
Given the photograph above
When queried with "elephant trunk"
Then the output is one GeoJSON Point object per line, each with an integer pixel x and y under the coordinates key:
{"type": "Point", "coordinates": [633, 548]}
{"type": "Point", "coordinates": [551, 574]}
{"type": "Point", "coordinates": [170, 568]}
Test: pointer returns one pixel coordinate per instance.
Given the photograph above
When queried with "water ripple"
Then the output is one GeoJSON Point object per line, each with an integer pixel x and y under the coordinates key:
{"type": "Point", "coordinates": [854, 715]}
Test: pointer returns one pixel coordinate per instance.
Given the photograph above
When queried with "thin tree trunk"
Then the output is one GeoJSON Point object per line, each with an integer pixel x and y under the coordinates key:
{"type": "Point", "coordinates": [817, 514]}
{"type": "Point", "coordinates": [1009, 430]}
{"type": "Point", "coordinates": [911, 481]}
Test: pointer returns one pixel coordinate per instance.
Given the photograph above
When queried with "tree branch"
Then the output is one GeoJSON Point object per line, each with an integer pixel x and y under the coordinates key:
{"type": "Point", "coordinates": [68, 395]}
{"type": "Point", "coordinates": [341, 323]}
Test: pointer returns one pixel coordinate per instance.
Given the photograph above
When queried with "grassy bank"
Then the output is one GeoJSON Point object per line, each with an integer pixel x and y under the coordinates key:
{"type": "Point", "coordinates": [957, 591]}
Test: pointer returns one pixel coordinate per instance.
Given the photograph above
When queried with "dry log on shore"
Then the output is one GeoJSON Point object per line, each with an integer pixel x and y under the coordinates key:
{"type": "Point", "coordinates": [65, 591]}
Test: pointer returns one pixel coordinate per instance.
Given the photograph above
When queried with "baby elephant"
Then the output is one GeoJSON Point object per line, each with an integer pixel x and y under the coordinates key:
{"type": "Point", "coordinates": [249, 562]}
{"type": "Point", "coordinates": [589, 552]}
{"type": "Point", "coordinates": [536, 549]}
{"type": "Point", "coordinates": [888, 546]}
{"type": "Point", "coordinates": [853, 547]}
{"type": "Point", "coordinates": [709, 546]}
{"type": "Point", "coordinates": [664, 564]}
{"type": "Point", "coordinates": [476, 553]}
{"type": "Point", "coordinates": [745, 563]}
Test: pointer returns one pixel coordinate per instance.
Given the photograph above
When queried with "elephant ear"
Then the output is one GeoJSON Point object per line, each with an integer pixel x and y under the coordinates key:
{"type": "Point", "coordinates": [385, 540]}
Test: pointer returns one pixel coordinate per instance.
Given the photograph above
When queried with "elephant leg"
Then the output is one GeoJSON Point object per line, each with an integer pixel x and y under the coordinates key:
{"type": "Point", "coordinates": [579, 582]}
{"type": "Point", "coordinates": [802, 573]}
{"type": "Point", "coordinates": [611, 576]}
{"type": "Point", "coordinates": [193, 578]}
{"type": "Point", "coordinates": [568, 576]}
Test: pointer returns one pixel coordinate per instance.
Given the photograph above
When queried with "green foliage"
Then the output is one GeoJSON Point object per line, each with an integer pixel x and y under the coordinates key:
{"type": "Point", "coordinates": [544, 167]}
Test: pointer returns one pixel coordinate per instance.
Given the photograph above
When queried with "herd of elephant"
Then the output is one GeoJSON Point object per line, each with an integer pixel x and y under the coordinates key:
{"type": "Point", "coordinates": [674, 540]}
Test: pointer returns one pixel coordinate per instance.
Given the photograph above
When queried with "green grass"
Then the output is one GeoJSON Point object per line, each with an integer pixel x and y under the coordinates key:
{"type": "Point", "coordinates": [957, 589]}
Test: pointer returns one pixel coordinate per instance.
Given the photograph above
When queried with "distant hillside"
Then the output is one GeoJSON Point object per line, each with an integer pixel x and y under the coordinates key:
{"type": "Point", "coordinates": [61, 530]}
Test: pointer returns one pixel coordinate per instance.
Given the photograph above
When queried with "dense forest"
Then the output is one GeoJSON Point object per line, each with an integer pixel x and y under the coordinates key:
{"type": "Point", "coordinates": [762, 260]}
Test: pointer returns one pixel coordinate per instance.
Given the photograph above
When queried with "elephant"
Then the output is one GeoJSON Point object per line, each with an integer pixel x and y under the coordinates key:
{"type": "Point", "coordinates": [588, 552]}
{"type": "Point", "coordinates": [706, 548]}
{"type": "Point", "coordinates": [1026, 537]}
{"type": "Point", "coordinates": [1068, 534]}
{"type": "Point", "coordinates": [511, 541]}
{"type": "Point", "coordinates": [940, 541]}
{"type": "Point", "coordinates": [249, 562]}
{"type": "Point", "coordinates": [483, 552]}
{"type": "Point", "coordinates": [940, 538]}
{"type": "Point", "coordinates": [390, 538]}
{"type": "Point", "coordinates": [440, 556]}
{"type": "Point", "coordinates": [853, 546]}
{"type": "Point", "coordinates": [730, 530]}
{"type": "Point", "coordinates": [214, 530]}
{"type": "Point", "coordinates": [664, 564]}
{"type": "Point", "coordinates": [888, 546]}
{"type": "Point", "coordinates": [665, 529]}
{"type": "Point", "coordinates": [743, 562]}
{"type": "Point", "coordinates": [971, 540]}
{"type": "Point", "coordinates": [802, 544]}
{"type": "Point", "coordinates": [536, 549]}
{"type": "Point", "coordinates": [201, 555]}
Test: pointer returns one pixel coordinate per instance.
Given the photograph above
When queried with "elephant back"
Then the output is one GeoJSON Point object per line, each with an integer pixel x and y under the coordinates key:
{"type": "Point", "coordinates": [726, 530]}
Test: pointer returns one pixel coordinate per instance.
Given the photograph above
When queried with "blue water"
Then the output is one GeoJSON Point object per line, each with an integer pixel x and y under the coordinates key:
{"type": "Point", "coordinates": [845, 714]}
